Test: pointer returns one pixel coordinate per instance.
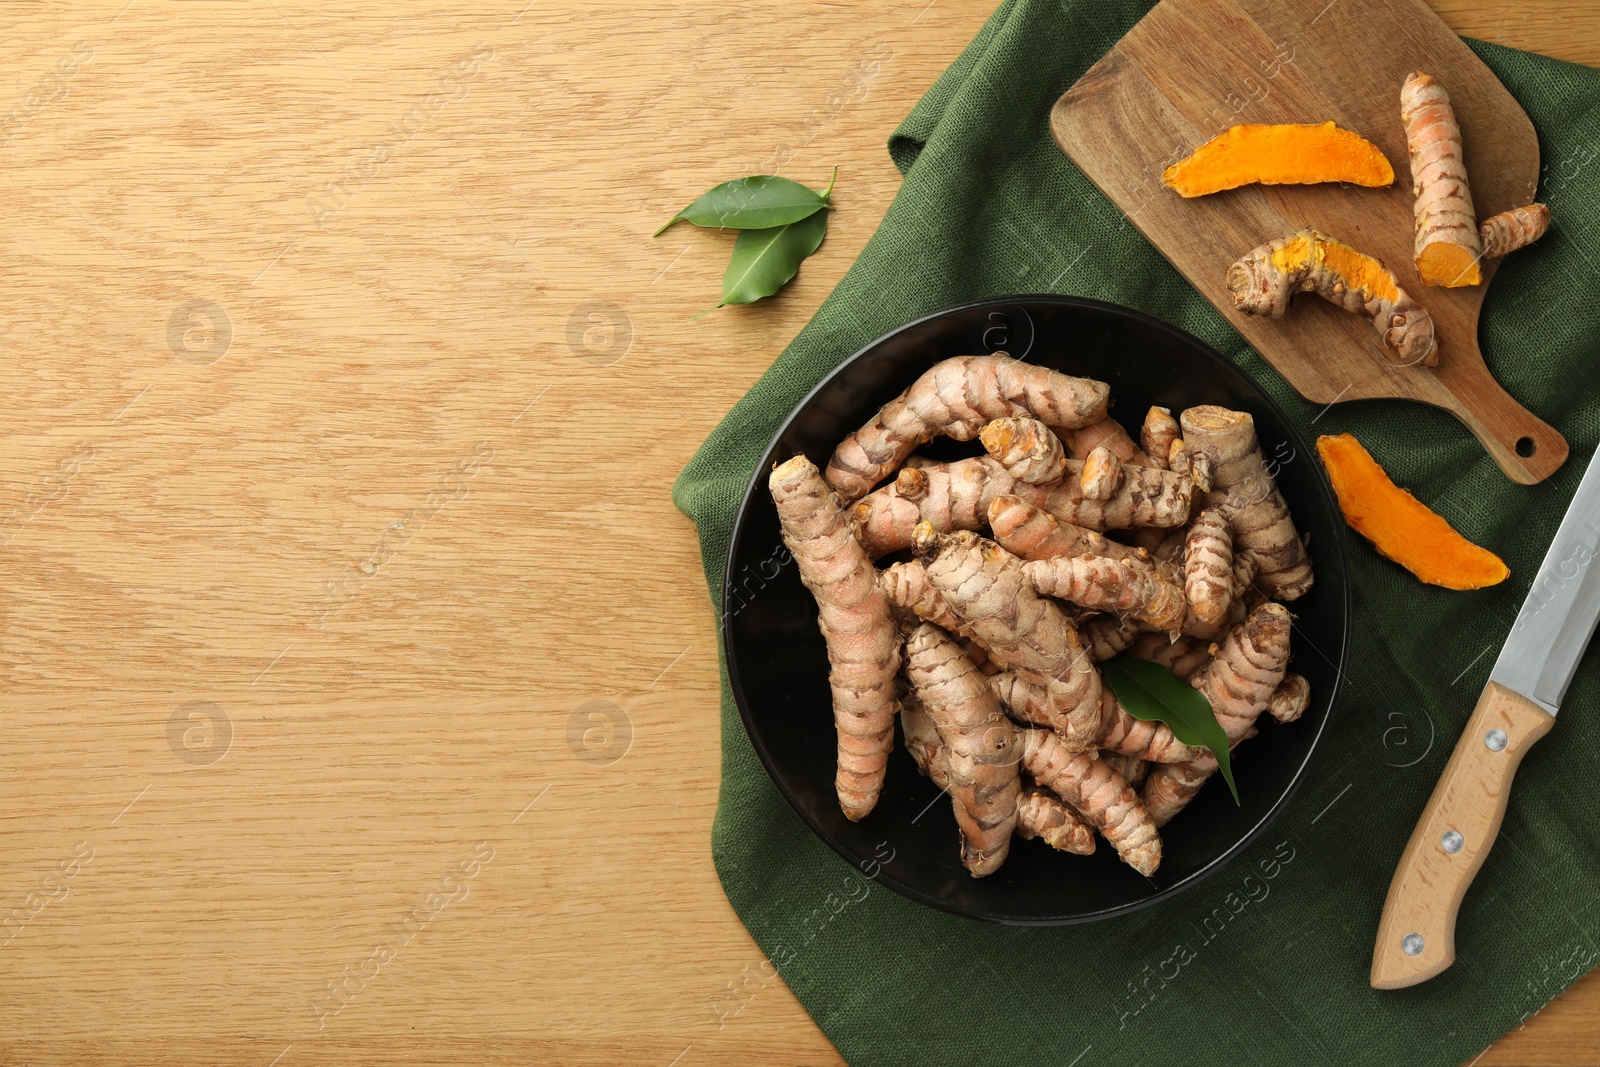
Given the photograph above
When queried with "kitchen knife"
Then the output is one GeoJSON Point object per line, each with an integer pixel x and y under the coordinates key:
{"type": "Point", "coordinates": [1416, 936]}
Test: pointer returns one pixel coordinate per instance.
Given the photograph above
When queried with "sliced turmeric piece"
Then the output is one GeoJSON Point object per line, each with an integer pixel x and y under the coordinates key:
{"type": "Point", "coordinates": [1290, 154]}
{"type": "Point", "coordinates": [1400, 526]}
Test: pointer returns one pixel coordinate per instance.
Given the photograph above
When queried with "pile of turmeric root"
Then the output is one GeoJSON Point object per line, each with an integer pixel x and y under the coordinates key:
{"type": "Point", "coordinates": [1450, 243]}
{"type": "Point", "coordinates": [1068, 543]}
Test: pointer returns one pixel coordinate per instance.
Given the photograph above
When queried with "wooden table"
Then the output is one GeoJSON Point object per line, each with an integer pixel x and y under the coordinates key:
{"type": "Point", "coordinates": [359, 681]}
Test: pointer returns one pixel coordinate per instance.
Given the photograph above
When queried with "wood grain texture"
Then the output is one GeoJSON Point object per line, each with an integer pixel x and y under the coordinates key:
{"type": "Point", "coordinates": [1452, 838]}
{"type": "Point", "coordinates": [171, 526]}
{"type": "Point", "coordinates": [1192, 68]}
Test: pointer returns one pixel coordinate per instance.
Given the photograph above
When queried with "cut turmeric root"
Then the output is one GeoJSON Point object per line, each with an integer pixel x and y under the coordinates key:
{"type": "Point", "coordinates": [1263, 281]}
{"type": "Point", "coordinates": [1399, 525]}
{"type": "Point", "coordinates": [1447, 244]}
{"type": "Point", "coordinates": [1290, 154]}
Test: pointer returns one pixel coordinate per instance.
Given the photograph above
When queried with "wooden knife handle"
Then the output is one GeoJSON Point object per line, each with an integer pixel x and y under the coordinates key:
{"type": "Point", "coordinates": [1417, 935]}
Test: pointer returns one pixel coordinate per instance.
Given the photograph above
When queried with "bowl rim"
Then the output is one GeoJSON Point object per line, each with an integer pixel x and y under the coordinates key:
{"type": "Point", "coordinates": [884, 876]}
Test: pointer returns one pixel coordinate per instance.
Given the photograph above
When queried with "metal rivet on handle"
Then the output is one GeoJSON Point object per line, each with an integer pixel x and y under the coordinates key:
{"type": "Point", "coordinates": [1412, 944]}
{"type": "Point", "coordinates": [1452, 841]}
{"type": "Point", "coordinates": [1495, 740]}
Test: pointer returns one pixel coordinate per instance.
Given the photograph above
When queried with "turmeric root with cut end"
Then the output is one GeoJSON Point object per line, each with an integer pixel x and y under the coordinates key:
{"type": "Point", "coordinates": [854, 616]}
{"type": "Point", "coordinates": [1289, 154]}
{"type": "Point", "coordinates": [957, 398]}
{"type": "Point", "coordinates": [1263, 281]}
{"type": "Point", "coordinates": [1098, 793]}
{"type": "Point", "coordinates": [1114, 585]}
{"type": "Point", "coordinates": [1046, 816]}
{"type": "Point", "coordinates": [1239, 684]}
{"type": "Point", "coordinates": [1447, 244]}
{"type": "Point", "coordinates": [1033, 533]}
{"type": "Point", "coordinates": [1208, 566]}
{"type": "Point", "coordinates": [1514, 229]}
{"type": "Point", "coordinates": [983, 584]}
{"type": "Point", "coordinates": [981, 746]}
{"type": "Point", "coordinates": [956, 496]}
{"type": "Point", "coordinates": [1291, 699]}
{"type": "Point", "coordinates": [1249, 498]}
{"type": "Point", "coordinates": [1027, 449]}
{"type": "Point", "coordinates": [1156, 435]}
{"type": "Point", "coordinates": [1400, 526]}
{"type": "Point", "coordinates": [1101, 474]}
{"type": "Point", "coordinates": [1107, 433]}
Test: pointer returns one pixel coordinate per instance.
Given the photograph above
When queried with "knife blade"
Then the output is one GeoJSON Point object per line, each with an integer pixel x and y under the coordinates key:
{"type": "Point", "coordinates": [1416, 935]}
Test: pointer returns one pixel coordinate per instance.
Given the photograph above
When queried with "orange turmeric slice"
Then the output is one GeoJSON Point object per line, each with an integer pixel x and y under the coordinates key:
{"type": "Point", "coordinates": [1400, 526]}
{"type": "Point", "coordinates": [1291, 154]}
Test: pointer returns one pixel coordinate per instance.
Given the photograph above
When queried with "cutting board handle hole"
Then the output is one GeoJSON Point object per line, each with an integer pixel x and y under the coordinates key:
{"type": "Point", "coordinates": [1526, 446]}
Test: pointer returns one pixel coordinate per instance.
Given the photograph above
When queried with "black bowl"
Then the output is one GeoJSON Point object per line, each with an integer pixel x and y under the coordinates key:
{"type": "Point", "coordinates": [778, 668]}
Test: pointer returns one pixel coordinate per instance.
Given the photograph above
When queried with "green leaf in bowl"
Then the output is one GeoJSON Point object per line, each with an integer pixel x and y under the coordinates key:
{"type": "Point", "coordinates": [1151, 692]}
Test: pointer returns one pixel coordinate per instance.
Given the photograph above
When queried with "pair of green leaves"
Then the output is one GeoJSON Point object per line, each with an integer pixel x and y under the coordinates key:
{"type": "Point", "coordinates": [780, 223]}
{"type": "Point", "coordinates": [1151, 692]}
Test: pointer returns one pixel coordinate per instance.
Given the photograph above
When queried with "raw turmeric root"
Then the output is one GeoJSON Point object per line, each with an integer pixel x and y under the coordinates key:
{"type": "Point", "coordinates": [1160, 429]}
{"type": "Point", "coordinates": [956, 496]}
{"type": "Point", "coordinates": [1208, 566]}
{"type": "Point", "coordinates": [1027, 449]}
{"type": "Point", "coordinates": [1514, 229]}
{"type": "Point", "coordinates": [1298, 154]}
{"type": "Point", "coordinates": [1447, 244]}
{"type": "Point", "coordinates": [1400, 526]}
{"type": "Point", "coordinates": [1239, 684]}
{"type": "Point", "coordinates": [1291, 699]}
{"type": "Point", "coordinates": [853, 613]}
{"type": "Point", "coordinates": [1249, 498]}
{"type": "Point", "coordinates": [1181, 459]}
{"type": "Point", "coordinates": [1264, 280]}
{"type": "Point", "coordinates": [1033, 533]}
{"type": "Point", "coordinates": [957, 398]}
{"type": "Point", "coordinates": [983, 584]}
{"type": "Point", "coordinates": [1124, 735]}
{"type": "Point", "coordinates": [1182, 657]}
{"type": "Point", "coordinates": [1131, 769]}
{"type": "Point", "coordinates": [1042, 814]}
{"type": "Point", "coordinates": [981, 746]}
{"type": "Point", "coordinates": [1120, 732]}
{"type": "Point", "coordinates": [1098, 793]}
{"type": "Point", "coordinates": [922, 740]}
{"type": "Point", "coordinates": [910, 593]}
{"type": "Point", "coordinates": [1107, 433]}
{"type": "Point", "coordinates": [952, 496]}
{"type": "Point", "coordinates": [1121, 586]}
{"type": "Point", "coordinates": [1108, 635]}
{"type": "Point", "coordinates": [1101, 474]}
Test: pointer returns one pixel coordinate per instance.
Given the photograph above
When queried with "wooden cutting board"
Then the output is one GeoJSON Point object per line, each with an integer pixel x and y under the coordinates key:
{"type": "Point", "coordinates": [1192, 68]}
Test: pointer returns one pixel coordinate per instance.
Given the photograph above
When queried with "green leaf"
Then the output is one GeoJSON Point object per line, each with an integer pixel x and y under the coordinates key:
{"type": "Point", "coordinates": [760, 202]}
{"type": "Point", "coordinates": [763, 260]}
{"type": "Point", "coordinates": [1150, 692]}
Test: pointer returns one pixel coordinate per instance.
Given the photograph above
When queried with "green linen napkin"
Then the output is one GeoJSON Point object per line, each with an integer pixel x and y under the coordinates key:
{"type": "Point", "coordinates": [1266, 962]}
